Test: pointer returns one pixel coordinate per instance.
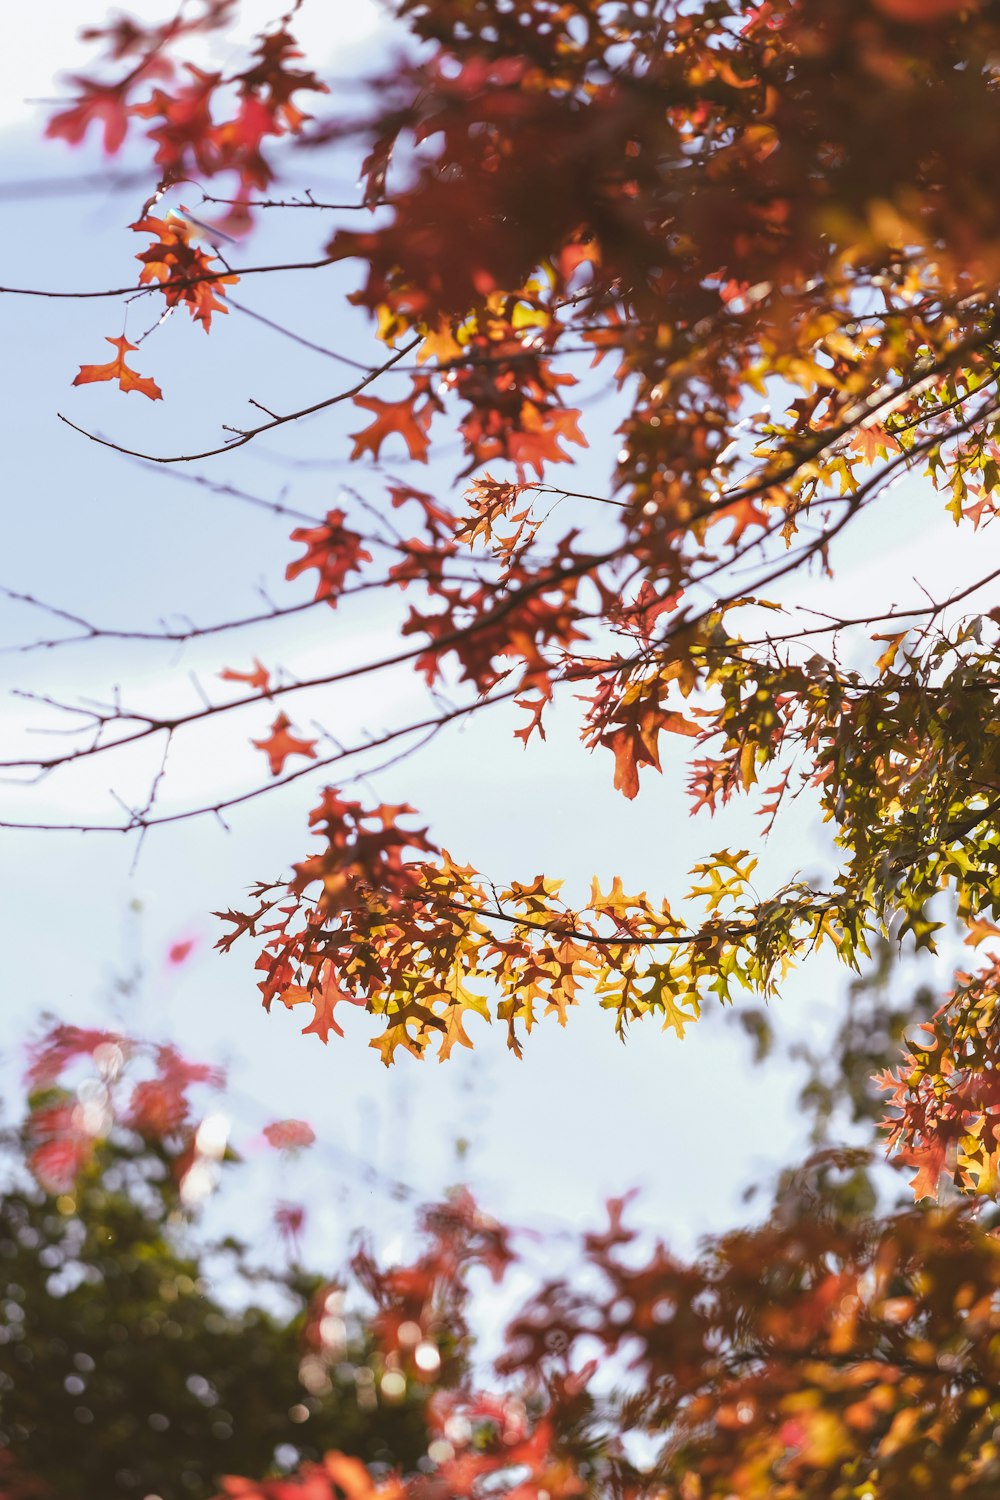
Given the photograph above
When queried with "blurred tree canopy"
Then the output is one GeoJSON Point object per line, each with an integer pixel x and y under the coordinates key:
{"type": "Point", "coordinates": [139, 1358]}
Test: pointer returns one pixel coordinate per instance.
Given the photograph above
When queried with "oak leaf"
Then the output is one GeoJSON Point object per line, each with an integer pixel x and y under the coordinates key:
{"type": "Point", "coordinates": [334, 550]}
{"type": "Point", "coordinates": [177, 265]}
{"type": "Point", "coordinates": [634, 743]}
{"type": "Point", "coordinates": [98, 104]}
{"type": "Point", "coordinates": [117, 369]}
{"type": "Point", "coordinates": [403, 418]}
{"type": "Point", "coordinates": [463, 1001]}
{"type": "Point", "coordinates": [259, 678]}
{"type": "Point", "coordinates": [886, 661]}
{"type": "Point", "coordinates": [324, 999]}
{"type": "Point", "coordinates": [279, 745]}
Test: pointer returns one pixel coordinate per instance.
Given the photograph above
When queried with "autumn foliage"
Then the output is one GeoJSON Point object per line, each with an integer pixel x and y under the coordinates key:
{"type": "Point", "coordinates": [775, 226]}
{"type": "Point", "coordinates": [826, 1350]}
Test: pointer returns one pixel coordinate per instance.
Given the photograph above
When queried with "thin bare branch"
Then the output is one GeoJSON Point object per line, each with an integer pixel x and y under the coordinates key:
{"type": "Point", "coordinates": [241, 435]}
{"type": "Point", "coordinates": [139, 821]}
{"type": "Point", "coordinates": [177, 283]}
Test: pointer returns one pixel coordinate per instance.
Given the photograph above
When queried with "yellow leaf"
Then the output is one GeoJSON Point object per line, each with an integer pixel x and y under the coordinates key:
{"type": "Point", "coordinates": [888, 657]}
{"type": "Point", "coordinates": [748, 764]}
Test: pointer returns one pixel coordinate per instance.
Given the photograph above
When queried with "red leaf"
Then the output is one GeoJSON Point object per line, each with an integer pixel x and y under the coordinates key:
{"type": "Point", "coordinates": [400, 417]}
{"type": "Point", "coordinates": [58, 1163]}
{"type": "Point", "coordinates": [289, 1135]}
{"type": "Point", "coordinates": [333, 550]}
{"type": "Point", "coordinates": [97, 105]}
{"type": "Point", "coordinates": [61, 1046]}
{"type": "Point", "coordinates": [174, 262]}
{"type": "Point", "coordinates": [273, 83]}
{"type": "Point", "coordinates": [185, 138]}
{"type": "Point", "coordinates": [157, 1107]}
{"type": "Point", "coordinates": [279, 745]}
{"type": "Point", "coordinates": [259, 678]}
{"type": "Point", "coordinates": [117, 369]}
{"type": "Point", "coordinates": [289, 1220]}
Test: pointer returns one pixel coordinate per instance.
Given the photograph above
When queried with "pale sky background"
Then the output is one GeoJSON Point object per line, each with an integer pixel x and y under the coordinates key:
{"type": "Point", "coordinates": [582, 1117]}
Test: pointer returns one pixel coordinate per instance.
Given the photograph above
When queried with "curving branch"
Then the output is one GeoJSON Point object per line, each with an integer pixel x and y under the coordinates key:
{"type": "Point", "coordinates": [246, 435]}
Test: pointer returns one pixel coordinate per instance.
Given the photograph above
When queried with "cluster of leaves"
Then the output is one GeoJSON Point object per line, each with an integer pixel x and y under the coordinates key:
{"type": "Point", "coordinates": [201, 124]}
{"type": "Point", "coordinates": [403, 935]}
{"type": "Point", "coordinates": [361, 923]}
{"type": "Point", "coordinates": [834, 1350]}
{"type": "Point", "coordinates": [945, 1095]}
{"type": "Point", "coordinates": [831, 1350]}
{"type": "Point", "coordinates": [798, 320]}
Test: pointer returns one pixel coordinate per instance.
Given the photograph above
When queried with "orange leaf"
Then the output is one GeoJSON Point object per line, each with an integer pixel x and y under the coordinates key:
{"type": "Point", "coordinates": [743, 514]}
{"type": "Point", "coordinates": [279, 745]}
{"type": "Point", "coordinates": [930, 1159]}
{"type": "Point", "coordinates": [886, 661]}
{"type": "Point", "coordinates": [324, 1001]}
{"type": "Point", "coordinates": [350, 1476]}
{"type": "Point", "coordinates": [174, 262]}
{"type": "Point", "coordinates": [979, 930]}
{"type": "Point", "coordinates": [400, 417]}
{"type": "Point", "coordinates": [629, 752]}
{"type": "Point", "coordinates": [98, 104]}
{"type": "Point", "coordinates": [259, 678]}
{"type": "Point", "coordinates": [117, 369]}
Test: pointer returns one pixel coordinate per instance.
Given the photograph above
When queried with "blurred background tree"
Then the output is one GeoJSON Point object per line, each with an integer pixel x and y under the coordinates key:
{"type": "Point", "coordinates": [142, 1356]}
{"type": "Point", "coordinates": [137, 1356]}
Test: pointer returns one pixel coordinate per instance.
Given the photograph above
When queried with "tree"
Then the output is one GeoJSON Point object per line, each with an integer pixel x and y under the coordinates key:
{"type": "Point", "coordinates": [797, 320]}
{"type": "Point", "coordinates": [138, 1357]}
{"type": "Point", "coordinates": [837, 1347]}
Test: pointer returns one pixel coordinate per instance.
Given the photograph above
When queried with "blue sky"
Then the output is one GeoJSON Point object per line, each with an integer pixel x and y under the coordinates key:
{"type": "Point", "coordinates": [582, 1116]}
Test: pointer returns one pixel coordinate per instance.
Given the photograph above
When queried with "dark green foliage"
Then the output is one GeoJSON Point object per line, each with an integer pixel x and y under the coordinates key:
{"type": "Point", "coordinates": [135, 1361]}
